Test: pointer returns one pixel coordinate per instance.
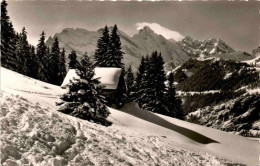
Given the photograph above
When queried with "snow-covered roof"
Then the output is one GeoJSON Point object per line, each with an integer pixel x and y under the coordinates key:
{"type": "Point", "coordinates": [108, 76]}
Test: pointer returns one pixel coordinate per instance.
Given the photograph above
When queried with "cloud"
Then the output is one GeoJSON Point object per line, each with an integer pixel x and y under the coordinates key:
{"type": "Point", "coordinates": [165, 32]}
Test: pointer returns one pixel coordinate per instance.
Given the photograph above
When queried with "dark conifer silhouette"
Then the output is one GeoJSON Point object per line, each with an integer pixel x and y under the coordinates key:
{"type": "Point", "coordinates": [32, 63]}
{"type": "Point", "coordinates": [153, 80]}
{"type": "Point", "coordinates": [23, 53]}
{"type": "Point", "coordinates": [102, 52]}
{"type": "Point", "coordinates": [54, 63]}
{"type": "Point", "coordinates": [8, 40]}
{"type": "Point", "coordinates": [139, 77]}
{"type": "Point", "coordinates": [115, 52]}
{"type": "Point", "coordinates": [73, 63]}
{"type": "Point", "coordinates": [62, 67]}
{"type": "Point", "coordinates": [172, 101]}
{"type": "Point", "coordinates": [42, 56]}
{"type": "Point", "coordinates": [130, 83]}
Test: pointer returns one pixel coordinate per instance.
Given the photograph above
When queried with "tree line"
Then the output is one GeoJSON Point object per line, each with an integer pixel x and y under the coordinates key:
{"type": "Point", "coordinates": [45, 63]}
{"type": "Point", "coordinates": [152, 89]}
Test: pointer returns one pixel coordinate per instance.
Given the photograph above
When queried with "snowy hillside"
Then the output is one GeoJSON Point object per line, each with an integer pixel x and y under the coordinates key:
{"type": "Point", "coordinates": [239, 115]}
{"type": "Point", "coordinates": [34, 133]}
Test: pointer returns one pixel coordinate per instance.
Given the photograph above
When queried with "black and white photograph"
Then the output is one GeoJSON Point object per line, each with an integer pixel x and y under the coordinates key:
{"type": "Point", "coordinates": [130, 83]}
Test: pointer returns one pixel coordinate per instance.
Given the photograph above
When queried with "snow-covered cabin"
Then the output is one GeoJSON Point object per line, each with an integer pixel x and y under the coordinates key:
{"type": "Point", "coordinates": [110, 78]}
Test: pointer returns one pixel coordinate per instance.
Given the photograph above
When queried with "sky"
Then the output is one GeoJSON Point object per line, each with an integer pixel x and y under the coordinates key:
{"type": "Point", "coordinates": [236, 23]}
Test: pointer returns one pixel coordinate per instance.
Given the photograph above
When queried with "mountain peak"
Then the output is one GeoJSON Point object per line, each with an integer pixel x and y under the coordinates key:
{"type": "Point", "coordinates": [71, 30]}
{"type": "Point", "coordinates": [146, 30]}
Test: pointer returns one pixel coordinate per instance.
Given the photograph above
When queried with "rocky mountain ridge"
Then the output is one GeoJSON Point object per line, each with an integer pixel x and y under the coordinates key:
{"type": "Point", "coordinates": [144, 43]}
{"type": "Point", "coordinates": [141, 44]}
{"type": "Point", "coordinates": [198, 48]}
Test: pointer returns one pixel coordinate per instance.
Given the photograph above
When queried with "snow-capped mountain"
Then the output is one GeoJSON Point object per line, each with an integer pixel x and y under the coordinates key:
{"type": "Point", "coordinates": [141, 44]}
{"type": "Point", "coordinates": [197, 48]}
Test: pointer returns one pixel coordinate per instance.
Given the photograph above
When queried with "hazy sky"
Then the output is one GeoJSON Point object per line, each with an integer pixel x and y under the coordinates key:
{"type": "Point", "coordinates": [237, 23]}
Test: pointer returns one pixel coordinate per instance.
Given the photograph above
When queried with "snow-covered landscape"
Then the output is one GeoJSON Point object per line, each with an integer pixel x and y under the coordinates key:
{"type": "Point", "coordinates": [34, 133]}
{"type": "Point", "coordinates": [158, 84]}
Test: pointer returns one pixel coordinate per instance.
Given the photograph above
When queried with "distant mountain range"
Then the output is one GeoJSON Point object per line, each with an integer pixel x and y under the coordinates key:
{"type": "Point", "coordinates": [144, 43]}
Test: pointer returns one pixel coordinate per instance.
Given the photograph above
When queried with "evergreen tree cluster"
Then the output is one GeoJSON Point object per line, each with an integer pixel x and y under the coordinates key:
{"type": "Point", "coordinates": [8, 40]}
{"type": "Point", "coordinates": [18, 55]}
{"type": "Point", "coordinates": [108, 52]}
{"type": "Point", "coordinates": [150, 90]}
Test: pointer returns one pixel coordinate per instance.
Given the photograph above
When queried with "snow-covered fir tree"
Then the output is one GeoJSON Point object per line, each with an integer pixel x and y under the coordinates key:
{"type": "Point", "coordinates": [73, 63]}
{"type": "Point", "coordinates": [102, 57]}
{"type": "Point", "coordinates": [54, 61]}
{"type": "Point", "coordinates": [62, 66]}
{"type": "Point", "coordinates": [8, 40]}
{"type": "Point", "coordinates": [84, 99]}
{"type": "Point", "coordinates": [172, 101]}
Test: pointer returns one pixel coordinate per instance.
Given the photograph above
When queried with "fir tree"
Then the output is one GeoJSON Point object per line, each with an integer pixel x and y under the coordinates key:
{"type": "Point", "coordinates": [42, 56]}
{"type": "Point", "coordinates": [115, 52]}
{"type": "Point", "coordinates": [150, 93]}
{"type": "Point", "coordinates": [139, 77]}
{"type": "Point", "coordinates": [172, 101]}
{"type": "Point", "coordinates": [8, 40]}
{"type": "Point", "coordinates": [23, 53]}
{"type": "Point", "coordinates": [73, 63]}
{"type": "Point", "coordinates": [129, 82]}
{"type": "Point", "coordinates": [32, 64]}
{"type": "Point", "coordinates": [141, 83]}
{"type": "Point", "coordinates": [54, 63]}
{"type": "Point", "coordinates": [156, 77]}
{"type": "Point", "coordinates": [84, 99]}
{"type": "Point", "coordinates": [102, 58]}
{"type": "Point", "coordinates": [62, 67]}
